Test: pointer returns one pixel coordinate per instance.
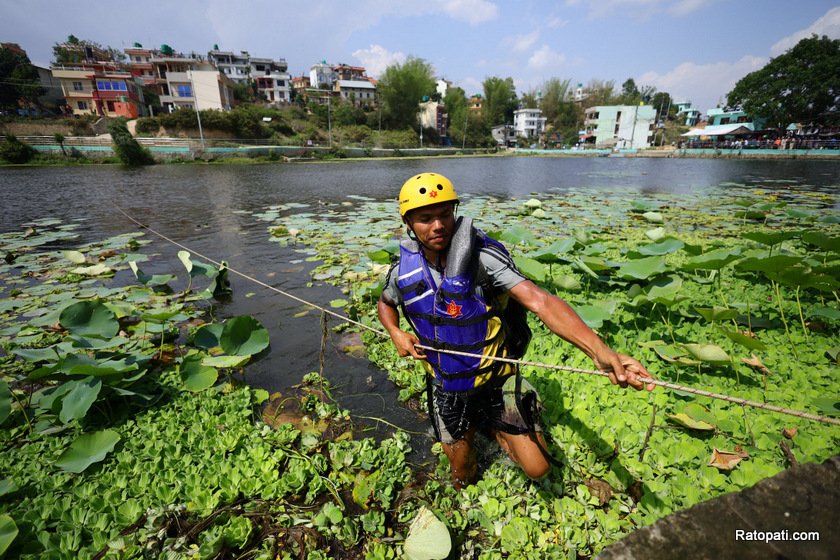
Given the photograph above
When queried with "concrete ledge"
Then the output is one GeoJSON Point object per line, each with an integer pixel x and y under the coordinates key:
{"type": "Point", "coordinates": [803, 499]}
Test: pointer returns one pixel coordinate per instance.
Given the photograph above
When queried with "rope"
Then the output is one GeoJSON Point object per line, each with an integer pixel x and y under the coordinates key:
{"type": "Point", "coordinates": [381, 333]}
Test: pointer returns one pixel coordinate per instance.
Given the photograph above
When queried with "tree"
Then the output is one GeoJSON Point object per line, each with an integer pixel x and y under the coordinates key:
{"type": "Point", "coordinates": [401, 88]}
{"type": "Point", "coordinates": [801, 85]}
{"type": "Point", "coordinates": [18, 80]}
{"type": "Point", "coordinates": [554, 94]}
{"type": "Point", "coordinates": [630, 94]}
{"type": "Point", "coordinates": [499, 101]}
{"type": "Point", "coordinates": [129, 151]}
{"type": "Point", "coordinates": [455, 102]}
{"type": "Point", "coordinates": [75, 50]}
{"type": "Point", "coordinates": [601, 93]}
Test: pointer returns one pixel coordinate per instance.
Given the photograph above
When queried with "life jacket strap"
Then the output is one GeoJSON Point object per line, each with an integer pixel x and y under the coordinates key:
{"type": "Point", "coordinates": [444, 320]}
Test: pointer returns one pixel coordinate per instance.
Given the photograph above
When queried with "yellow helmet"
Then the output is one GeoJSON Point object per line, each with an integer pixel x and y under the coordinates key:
{"type": "Point", "coordinates": [424, 190]}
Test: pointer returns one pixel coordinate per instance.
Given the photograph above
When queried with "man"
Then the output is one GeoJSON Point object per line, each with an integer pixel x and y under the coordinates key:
{"type": "Point", "coordinates": [461, 293]}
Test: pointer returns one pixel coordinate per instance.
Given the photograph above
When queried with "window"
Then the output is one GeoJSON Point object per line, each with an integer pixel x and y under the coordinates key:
{"type": "Point", "coordinates": [118, 86]}
{"type": "Point", "coordinates": [281, 83]}
{"type": "Point", "coordinates": [77, 86]}
{"type": "Point", "coordinates": [103, 85]}
{"type": "Point", "coordinates": [82, 105]}
{"type": "Point", "coordinates": [724, 120]}
{"type": "Point", "coordinates": [185, 90]}
{"type": "Point", "coordinates": [110, 105]}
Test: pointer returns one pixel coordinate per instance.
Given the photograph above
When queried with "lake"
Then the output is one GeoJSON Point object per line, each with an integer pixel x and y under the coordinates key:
{"type": "Point", "coordinates": [210, 208]}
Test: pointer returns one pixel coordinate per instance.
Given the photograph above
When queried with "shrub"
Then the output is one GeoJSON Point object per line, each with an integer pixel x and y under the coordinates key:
{"type": "Point", "coordinates": [15, 151]}
{"type": "Point", "coordinates": [126, 147]}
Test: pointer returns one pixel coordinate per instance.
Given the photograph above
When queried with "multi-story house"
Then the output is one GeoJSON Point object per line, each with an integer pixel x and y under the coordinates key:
{"type": "Point", "coordinates": [621, 126]}
{"type": "Point", "coordinates": [99, 88]}
{"type": "Point", "coordinates": [433, 115]}
{"type": "Point", "coordinates": [322, 75]}
{"type": "Point", "coordinates": [361, 93]}
{"type": "Point", "coordinates": [271, 77]}
{"type": "Point", "coordinates": [475, 103]}
{"type": "Point", "coordinates": [529, 123]}
{"type": "Point", "coordinates": [688, 112]}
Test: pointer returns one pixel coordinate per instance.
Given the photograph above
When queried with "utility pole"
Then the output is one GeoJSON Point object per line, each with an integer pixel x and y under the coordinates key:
{"type": "Point", "coordinates": [195, 106]}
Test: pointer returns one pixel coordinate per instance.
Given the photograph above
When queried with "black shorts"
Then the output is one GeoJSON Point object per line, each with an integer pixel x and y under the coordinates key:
{"type": "Point", "coordinates": [490, 408]}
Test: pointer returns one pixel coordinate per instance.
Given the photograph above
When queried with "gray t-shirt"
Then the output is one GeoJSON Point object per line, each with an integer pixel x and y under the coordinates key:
{"type": "Point", "coordinates": [494, 270]}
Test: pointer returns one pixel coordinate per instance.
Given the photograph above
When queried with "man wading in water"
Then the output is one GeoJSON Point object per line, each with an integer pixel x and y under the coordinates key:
{"type": "Point", "coordinates": [460, 291]}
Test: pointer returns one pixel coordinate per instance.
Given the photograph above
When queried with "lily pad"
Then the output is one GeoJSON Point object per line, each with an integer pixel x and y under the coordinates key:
{"type": "Point", "coordinates": [709, 353]}
{"type": "Point", "coordinates": [8, 532]}
{"type": "Point", "coordinates": [196, 376]}
{"type": "Point", "coordinates": [87, 450]}
{"type": "Point", "coordinates": [243, 336]}
{"type": "Point", "coordinates": [428, 538]}
{"type": "Point", "coordinates": [89, 318]}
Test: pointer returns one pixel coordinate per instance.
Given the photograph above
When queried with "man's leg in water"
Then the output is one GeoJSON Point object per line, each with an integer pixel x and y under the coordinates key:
{"type": "Point", "coordinates": [524, 451]}
{"type": "Point", "coordinates": [462, 460]}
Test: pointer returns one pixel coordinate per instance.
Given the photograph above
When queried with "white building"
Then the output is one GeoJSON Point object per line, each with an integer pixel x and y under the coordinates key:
{"type": "Point", "coordinates": [271, 77]}
{"type": "Point", "coordinates": [620, 126]}
{"type": "Point", "coordinates": [322, 74]}
{"type": "Point", "coordinates": [529, 122]}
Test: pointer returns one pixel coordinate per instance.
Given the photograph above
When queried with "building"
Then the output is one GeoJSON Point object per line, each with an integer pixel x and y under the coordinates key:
{"type": "Point", "coordinates": [270, 76]}
{"type": "Point", "coordinates": [688, 112]}
{"type": "Point", "coordinates": [475, 103]}
{"type": "Point", "coordinates": [322, 76]}
{"type": "Point", "coordinates": [99, 88]}
{"type": "Point", "coordinates": [620, 126]}
{"type": "Point", "coordinates": [442, 87]}
{"type": "Point", "coordinates": [433, 115]}
{"type": "Point", "coordinates": [360, 93]}
{"type": "Point", "coordinates": [529, 123]}
{"type": "Point", "coordinates": [504, 135]}
{"type": "Point", "coordinates": [349, 73]}
{"type": "Point", "coordinates": [580, 93]}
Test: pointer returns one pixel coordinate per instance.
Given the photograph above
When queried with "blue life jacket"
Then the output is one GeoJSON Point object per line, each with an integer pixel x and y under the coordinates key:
{"type": "Point", "coordinates": [453, 316]}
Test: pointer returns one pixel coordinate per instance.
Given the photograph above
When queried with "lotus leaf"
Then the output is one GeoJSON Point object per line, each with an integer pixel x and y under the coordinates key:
{"type": "Point", "coordinates": [640, 269]}
{"type": "Point", "coordinates": [594, 315]}
{"type": "Point", "coordinates": [89, 318]}
{"type": "Point", "coordinates": [709, 353]}
{"type": "Point", "coordinates": [531, 268]}
{"type": "Point", "coordinates": [100, 269]}
{"type": "Point", "coordinates": [79, 399]}
{"type": "Point", "coordinates": [8, 532]}
{"type": "Point", "coordinates": [769, 264]}
{"type": "Point", "coordinates": [684, 419]}
{"type": "Point", "coordinates": [655, 217]}
{"type": "Point", "coordinates": [769, 238]}
{"type": "Point", "coordinates": [826, 313]}
{"type": "Point", "coordinates": [519, 234]}
{"type": "Point", "coordinates": [566, 282]}
{"type": "Point", "coordinates": [196, 268]}
{"type": "Point", "coordinates": [716, 313]}
{"type": "Point", "coordinates": [230, 362]}
{"type": "Point", "coordinates": [744, 340]}
{"type": "Point", "coordinates": [8, 486]}
{"type": "Point", "coordinates": [196, 376]}
{"type": "Point", "coordinates": [338, 303]}
{"type": "Point", "coordinates": [822, 240]}
{"type": "Point", "coordinates": [207, 336]}
{"type": "Point", "coordinates": [674, 355]}
{"type": "Point", "coordinates": [428, 538]}
{"type": "Point", "coordinates": [146, 280]}
{"type": "Point", "coordinates": [74, 257]}
{"type": "Point", "coordinates": [662, 247]}
{"type": "Point", "coordinates": [87, 450]}
{"type": "Point", "coordinates": [664, 287]}
{"type": "Point", "coordinates": [655, 234]}
{"type": "Point", "coordinates": [36, 355]}
{"type": "Point", "coordinates": [532, 203]}
{"type": "Point", "coordinates": [713, 260]}
{"type": "Point", "coordinates": [243, 336]}
{"type": "Point", "coordinates": [827, 405]}
{"type": "Point", "coordinates": [551, 254]}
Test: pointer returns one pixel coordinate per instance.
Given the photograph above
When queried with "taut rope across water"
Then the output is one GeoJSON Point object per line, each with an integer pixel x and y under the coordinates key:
{"type": "Point", "coordinates": [378, 332]}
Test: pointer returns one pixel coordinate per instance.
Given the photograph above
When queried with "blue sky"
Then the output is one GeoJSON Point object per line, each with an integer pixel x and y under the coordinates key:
{"type": "Point", "coordinates": [693, 49]}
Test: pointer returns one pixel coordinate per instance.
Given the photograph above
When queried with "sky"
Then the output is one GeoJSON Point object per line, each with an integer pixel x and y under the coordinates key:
{"type": "Point", "coordinates": [693, 49]}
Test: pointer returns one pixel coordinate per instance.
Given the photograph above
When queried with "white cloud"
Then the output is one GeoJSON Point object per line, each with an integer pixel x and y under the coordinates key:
{"type": "Point", "coordinates": [470, 11]}
{"type": "Point", "coordinates": [522, 43]}
{"type": "Point", "coordinates": [377, 58]}
{"type": "Point", "coordinates": [640, 9]}
{"type": "Point", "coordinates": [704, 84]}
{"type": "Point", "coordinates": [545, 59]}
{"type": "Point", "coordinates": [829, 24]}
